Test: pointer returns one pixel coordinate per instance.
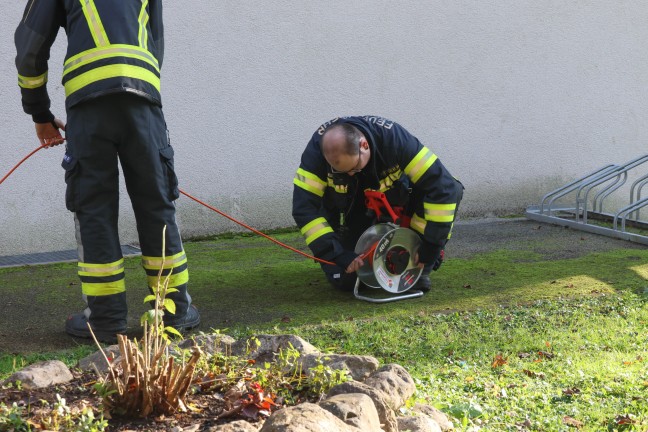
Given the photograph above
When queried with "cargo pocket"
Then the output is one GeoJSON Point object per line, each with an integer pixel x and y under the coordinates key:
{"type": "Point", "coordinates": [166, 154]}
{"type": "Point", "coordinates": [71, 168]}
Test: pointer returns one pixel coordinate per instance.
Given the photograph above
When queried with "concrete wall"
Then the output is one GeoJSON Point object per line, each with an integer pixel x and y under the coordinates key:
{"type": "Point", "coordinates": [515, 96]}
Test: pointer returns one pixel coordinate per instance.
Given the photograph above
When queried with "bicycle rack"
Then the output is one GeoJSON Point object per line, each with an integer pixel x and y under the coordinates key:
{"type": "Point", "coordinates": [580, 204]}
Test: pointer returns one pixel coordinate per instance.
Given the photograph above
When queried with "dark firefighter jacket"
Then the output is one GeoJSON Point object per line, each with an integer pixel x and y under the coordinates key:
{"type": "Point", "coordinates": [113, 46]}
{"type": "Point", "coordinates": [399, 163]}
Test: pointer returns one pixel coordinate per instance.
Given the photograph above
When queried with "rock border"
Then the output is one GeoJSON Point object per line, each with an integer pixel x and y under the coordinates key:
{"type": "Point", "coordinates": [370, 402]}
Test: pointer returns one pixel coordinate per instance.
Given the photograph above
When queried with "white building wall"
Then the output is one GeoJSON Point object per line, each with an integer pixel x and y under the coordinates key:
{"type": "Point", "coordinates": [515, 96]}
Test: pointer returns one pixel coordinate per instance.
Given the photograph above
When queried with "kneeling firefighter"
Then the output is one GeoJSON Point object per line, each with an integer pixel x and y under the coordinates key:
{"type": "Point", "coordinates": [111, 77]}
{"type": "Point", "coordinates": [346, 161]}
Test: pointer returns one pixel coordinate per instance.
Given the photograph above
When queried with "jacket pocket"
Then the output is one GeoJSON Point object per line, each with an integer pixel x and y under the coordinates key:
{"type": "Point", "coordinates": [71, 168]}
{"type": "Point", "coordinates": [166, 155]}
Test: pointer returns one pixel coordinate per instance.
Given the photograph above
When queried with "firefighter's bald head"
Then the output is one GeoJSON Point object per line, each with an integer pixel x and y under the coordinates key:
{"type": "Point", "coordinates": [343, 146]}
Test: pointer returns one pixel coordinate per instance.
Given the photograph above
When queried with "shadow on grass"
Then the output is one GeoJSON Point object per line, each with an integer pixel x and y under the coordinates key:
{"type": "Point", "coordinates": [250, 284]}
{"type": "Point", "coordinates": [247, 284]}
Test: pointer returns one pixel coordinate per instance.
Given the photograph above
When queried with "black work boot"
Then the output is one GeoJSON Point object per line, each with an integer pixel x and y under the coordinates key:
{"type": "Point", "coordinates": [107, 317]}
{"type": "Point", "coordinates": [423, 284]}
{"type": "Point", "coordinates": [186, 316]}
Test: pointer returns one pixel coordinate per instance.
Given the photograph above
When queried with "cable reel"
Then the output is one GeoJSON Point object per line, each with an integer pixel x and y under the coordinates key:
{"type": "Point", "coordinates": [389, 263]}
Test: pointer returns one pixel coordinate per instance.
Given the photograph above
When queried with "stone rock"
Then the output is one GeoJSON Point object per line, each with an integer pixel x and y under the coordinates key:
{"type": "Point", "coordinates": [235, 426]}
{"type": "Point", "coordinates": [306, 417]}
{"type": "Point", "coordinates": [395, 382]}
{"type": "Point", "coordinates": [359, 367]}
{"type": "Point", "coordinates": [420, 423]}
{"type": "Point", "coordinates": [270, 345]}
{"type": "Point", "coordinates": [97, 359]}
{"type": "Point", "coordinates": [210, 343]}
{"type": "Point", "coordinates": [438, 416]}
{"type": "Point", "coordinates": [192, 428]}
{"type": "Point", "coordinates": [385, 413]}
{"type": "Point", "coordinates": [41, 375]}
{"type": "Point", "coordinates": [353, 406]}
{"type": "Point", "coordinates": [355, 409]}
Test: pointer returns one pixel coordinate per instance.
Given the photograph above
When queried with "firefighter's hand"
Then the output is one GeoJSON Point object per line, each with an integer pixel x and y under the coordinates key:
{"type": "Point", "coordinates": [355, 265]}
{"type": "Point", "coordinates": [49, 134]}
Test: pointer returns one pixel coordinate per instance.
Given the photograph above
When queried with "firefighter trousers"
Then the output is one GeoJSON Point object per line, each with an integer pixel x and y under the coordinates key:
{"type": "Point", "coordinates": [102, 133]}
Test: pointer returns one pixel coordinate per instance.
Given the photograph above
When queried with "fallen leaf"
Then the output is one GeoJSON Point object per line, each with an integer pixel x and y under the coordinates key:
{"type": "Point", "coordinates": [533, 374]}
{"type": "Point", "coordinates": [571, 391]}
{"type": "Point", "coordinates": [467, 286]}
{"type": "Point", "coordinates": [523, 355]}
{"type": "Point", "coordinates": [569, 421]}
{"type": "Point", "coordinates": [526, 424]}
{"type": "Point", "coordinates": [250, 411]}
{"type": "Point", "coordinates": [545, 354]}
{"type": "Point", "coordinates": [285, 319]}
{"type": "Point", "coordinates": [624, 420]}
{"type": "Point", "coordinates": [499, 361]}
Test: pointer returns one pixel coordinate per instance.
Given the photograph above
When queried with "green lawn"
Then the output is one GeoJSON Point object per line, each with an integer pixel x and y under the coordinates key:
{"type": "Point", "coordinates": [504, 341]}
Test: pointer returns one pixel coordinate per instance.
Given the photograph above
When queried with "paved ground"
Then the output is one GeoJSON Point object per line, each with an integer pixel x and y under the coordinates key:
{"type": "Point", "coordinates": [28, 324]}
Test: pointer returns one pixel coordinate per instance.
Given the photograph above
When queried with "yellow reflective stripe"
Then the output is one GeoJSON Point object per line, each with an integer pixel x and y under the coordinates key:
{"type": "Point", "coordinates": [103, 288]}
{"type": "Point", "coordinates": [155, 263]}
{"type": "Point", "coordinates": [450, 232]}
{"type": "Point", "coordinates": [143, 21]}
{"type": "Point", "coordinates": [111, 71]}
{"type": "Point", "coordinates": [337, 188]}
{"type": "Point", "coordinates": [315, 229]}
{"type": "Point", "coordinates": [421, 162]}
{"type": "Point", "coordinates": [310, 182]}
{"type": "Point", "coordinates": [99, 270]}
{"type": "Point", "coordinates": [32, 82]}
{"type": "Point", "coordinates": [100, 53]}
{"type": "Point", "coordinates": [439, 212]}
{"type": "Point", "coordinates": [94, 23]}
{"type": "Point", "coordinates": [388, 182]}
{"type": "Point", "coordinates": [418, 224]}
{"type": "Point", "coordinates": [175, 280]}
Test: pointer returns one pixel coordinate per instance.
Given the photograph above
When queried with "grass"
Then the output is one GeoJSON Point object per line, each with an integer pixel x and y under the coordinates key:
{"type": "Point", "coordinates": [12, 363]}
{"type": "Point", "coordinates": [571, 334]}
{"type": "Point", "coordinates": [581, 358]}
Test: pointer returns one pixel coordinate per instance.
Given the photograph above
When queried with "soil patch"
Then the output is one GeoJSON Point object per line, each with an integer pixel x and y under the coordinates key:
{"type": "Point", "coordinates": [205, 407]}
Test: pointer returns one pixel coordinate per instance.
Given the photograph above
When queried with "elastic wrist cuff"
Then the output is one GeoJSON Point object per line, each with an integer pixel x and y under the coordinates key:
{"type": "Point", "coordinates": [43, 117]}
{"type": "Point", "coordinates": [343, 260]}
{"type": "Point", "coordinates": [428, 253]}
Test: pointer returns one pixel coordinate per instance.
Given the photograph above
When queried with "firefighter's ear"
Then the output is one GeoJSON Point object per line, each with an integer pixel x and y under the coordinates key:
{"type": "Point", "coordinates": [364, 144]}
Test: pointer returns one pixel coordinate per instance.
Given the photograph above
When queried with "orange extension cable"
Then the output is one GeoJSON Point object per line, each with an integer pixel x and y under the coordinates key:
{"type": "Point", "coordinates": [212, 209]}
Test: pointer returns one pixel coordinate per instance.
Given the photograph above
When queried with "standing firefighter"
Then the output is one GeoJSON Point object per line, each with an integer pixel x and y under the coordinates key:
{"type": "Point", "coordinates": [111, 77]}
{"type": "Point", "coordinates": [347, 157]}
